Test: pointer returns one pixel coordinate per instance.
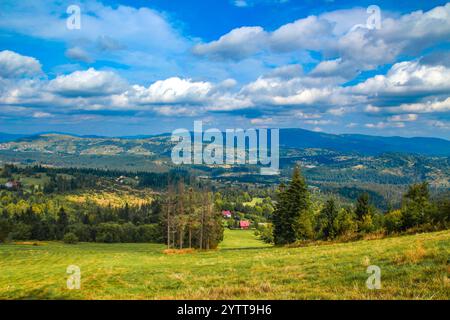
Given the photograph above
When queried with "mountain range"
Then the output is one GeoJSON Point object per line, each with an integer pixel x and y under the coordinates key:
{"type": "Point", "coordinates": [289, 138]}
{"type": "Point", "coordinates": [340, 164]}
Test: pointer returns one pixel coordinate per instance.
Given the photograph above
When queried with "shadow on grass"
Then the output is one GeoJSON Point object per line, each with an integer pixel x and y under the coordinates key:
{"type": "Point", "coordinates": [43, 294]}
{"type": "Point", "coordinates": [245, 248]}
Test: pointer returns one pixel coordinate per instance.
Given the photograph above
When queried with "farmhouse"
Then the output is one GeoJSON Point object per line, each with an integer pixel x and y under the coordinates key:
{"type": "Point", "coordinates": [245, 225]}
{"type": "Point", "coordinates": [226, 214]}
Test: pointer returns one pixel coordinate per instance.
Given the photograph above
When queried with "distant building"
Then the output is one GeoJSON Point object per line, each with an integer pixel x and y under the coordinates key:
{"type": "Point", "coordinates": [245, 225]}
{"type": "Point", "coordinates": [13, 185]}
{"type": "Point", "coordinates": [121, 179]}
{"type": "Point", "coordinates": [227, 214]}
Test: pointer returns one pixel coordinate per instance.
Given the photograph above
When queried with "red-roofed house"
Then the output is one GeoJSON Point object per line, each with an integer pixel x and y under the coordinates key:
{"type": "Point", "coordinates": [226, 214]}
{"type": "Point", "coordinates": [244, 224]}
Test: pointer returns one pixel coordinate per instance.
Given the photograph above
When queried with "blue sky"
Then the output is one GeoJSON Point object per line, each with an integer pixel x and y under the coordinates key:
{"type": "Point", "coordinates": [150, 66]}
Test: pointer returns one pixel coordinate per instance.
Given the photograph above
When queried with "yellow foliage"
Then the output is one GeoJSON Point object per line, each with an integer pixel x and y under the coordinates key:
{"type": "Point", "coordinates": [115, 200]}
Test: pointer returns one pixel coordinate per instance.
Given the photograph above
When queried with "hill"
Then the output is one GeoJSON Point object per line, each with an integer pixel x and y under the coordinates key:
{"type": "Point", "coordinates": [289, 138]}
{"type": "Point", "coordinates": [413, 267]}
{"type": "Point", "coordinates": [363, 144]}
{"type": "Point", "coordinates": [342, 164]}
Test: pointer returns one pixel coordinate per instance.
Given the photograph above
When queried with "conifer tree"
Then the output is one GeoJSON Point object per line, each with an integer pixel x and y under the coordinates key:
{"type": "Point", "coordinates": [279, 220]}
{"type": "Point", "coordinates": [62, 223]}
{"type": "Point", "coordinates": [326, 220]}
{"type": "Point", "coordinates": [416, 205]}
{"type": "Point", "coordinates": [292, 218]}
{"type": "Point", "coordinates": [362, 206]}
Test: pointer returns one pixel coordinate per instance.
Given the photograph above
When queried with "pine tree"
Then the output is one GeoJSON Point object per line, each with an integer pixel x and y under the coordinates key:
{"type": "Point", "coordinates": [416, 205]}
{"type": "Point", "coordinates": [327, 219]}
{"type": "Point", "coordinates": [299, 203]}
{"type": "Point", "coordinates": [292, 218]}
{"type": "Point", "coordinates": [62, 223]}
{"type": "Point", "coordinates": [362, 206]}
{"type": "Point", "coordinates": [5, 229]}
{"type": "Point", "coordinates": [278, 218]}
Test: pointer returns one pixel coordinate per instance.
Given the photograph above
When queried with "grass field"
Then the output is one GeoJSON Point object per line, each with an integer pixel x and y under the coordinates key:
{"type": "Point", "coordinates": [413, 267]}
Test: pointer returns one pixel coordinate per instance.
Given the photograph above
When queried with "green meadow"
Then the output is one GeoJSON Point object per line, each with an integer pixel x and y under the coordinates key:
{"type": "Point", "coordinates": [413, 267]}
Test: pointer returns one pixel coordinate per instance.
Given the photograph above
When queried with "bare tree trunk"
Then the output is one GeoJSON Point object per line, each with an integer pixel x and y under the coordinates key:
{"type": "Point", "coordinates": [190, 237]}
{"type": "Point", "coordinates": [169, 209]}
{"type": "Point", "coordinates": [181, 213]}
{"type": "Point", "coordinates": [168, 226]}
{"type": "Point", "coordinates": [191, 213]}
{"type": "Point", "coordinates": [174, 243]}
{"type": "Point", "coordinates": [202, 227]}
{"type": "Point", "coordinates": [181, 238]}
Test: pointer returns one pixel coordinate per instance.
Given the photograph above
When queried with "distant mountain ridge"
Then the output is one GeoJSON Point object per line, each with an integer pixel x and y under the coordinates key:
{"type": "Point", "coordinates": [349, 164]}
{"type": "Point", "coordinates": [289, 138]}
{"type": "Point", "coordinates": [364, 144]}
{"type": "Point", "coordinates": [5, 137]}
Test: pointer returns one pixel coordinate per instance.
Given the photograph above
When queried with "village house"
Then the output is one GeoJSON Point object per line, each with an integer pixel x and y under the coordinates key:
{"type": "Point", "coordinates": [13, 185]}
{"type": "Point", "coordinates": [227, 214]}
{"type": "Point", "coordinates": [245, 225]}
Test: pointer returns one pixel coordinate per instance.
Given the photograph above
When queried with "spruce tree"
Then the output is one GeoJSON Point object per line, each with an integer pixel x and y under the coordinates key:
{"type": "Point", "coordinates": [416, 205]}
{"type": "Point", "coordinates": [279, 217]}
{"type": "Point", "coordinates": [299, 211]}
{"type": "Point", "coordinates": [62, 223]}
{"type": "Point", "coordinates": [327, 219]}
{"type": "Point", "coordinates": [362, 206]}
{"type": "Point", "coordinates": [292, 217]}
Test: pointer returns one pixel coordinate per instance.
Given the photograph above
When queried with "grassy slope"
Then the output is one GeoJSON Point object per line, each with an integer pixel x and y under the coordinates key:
{"type": "Point", "coordinates": [412, 267]}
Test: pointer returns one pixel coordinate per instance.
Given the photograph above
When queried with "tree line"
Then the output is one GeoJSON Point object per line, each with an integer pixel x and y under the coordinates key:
{"type": "Point", "coordinates": [49, 219]}
{"type": "Point", "coordinates": [182, 217]}
{"type": "Point", "coordinates": [294, 218]}
{"type": "Point", "coordinates": [69, 179]}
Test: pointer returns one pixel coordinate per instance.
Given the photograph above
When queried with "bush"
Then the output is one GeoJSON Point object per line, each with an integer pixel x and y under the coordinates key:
{"type": "Point", "coordinates": [82, 231]}
{"type": "Point", "coordinates": [70, 238]}
{"type": "Point", "coordinates": [129, 233]}
{"type": "Point", "coordinates": [21, 231]}
{"type": "Point", "coordinates": [345, 224]}
{"type": "Point", "coordinates": [150, 233]}
{"type": "Point", "coordinates": [366, 225]}
{"type": "Point", "coordinates": [5, 229]}
{"type": "Point", "coordinates": [265, 232]}
{"type": "Point", "coordinates": [393, 221]}
{"type": "Point", "coordinates": [109, 233]}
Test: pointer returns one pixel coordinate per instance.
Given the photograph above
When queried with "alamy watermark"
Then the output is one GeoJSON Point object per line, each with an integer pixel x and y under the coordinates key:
{"type": "Point", "coordinates": [74, 279]}
{"type": "Point", "coordinates": [73, 22]}
{"type": "Point", "coordinates": [373, 21]}
{"type": "Point", "coordinates": [374, 280]}
{"type": "Point", "coordinates": [234, 147]}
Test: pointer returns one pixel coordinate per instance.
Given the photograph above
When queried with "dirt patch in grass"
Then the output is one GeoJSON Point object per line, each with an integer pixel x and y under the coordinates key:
{"type": "Point", "coordinates": [179, 251]}
{"type": "Point", "coordinates": [414, 254]}
{"type": "Point", "coordinates": [30, 243]}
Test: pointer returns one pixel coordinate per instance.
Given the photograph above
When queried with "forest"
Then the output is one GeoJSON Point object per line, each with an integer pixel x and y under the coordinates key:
{"type": "Point", "coordinates": [182, 211]}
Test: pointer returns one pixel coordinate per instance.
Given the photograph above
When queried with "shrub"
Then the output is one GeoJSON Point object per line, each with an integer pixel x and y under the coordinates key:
{"type": "Point", "coordinates": [5, 229]}
{"type": "Point", "coordinates": [150, 233]}
{"type": "Point", "coordinates": [366, 225]}
{"type": "Point", "coordinates": [82, 231]}
{"type": "Point", "coordinates": [345, 224]}
{"type": "Point", "coordinates": [393, 221]}
{"type": "Point", "coordinates": [265, 232]}
{"type": "Point", "coordinates": [129, 233]}
{"type": "Point", "coordinates": [70, 238]}
{"type": "Point", "coordinates": [109, 233]}
{"type": "Point", "coordinates": [21, 231]}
